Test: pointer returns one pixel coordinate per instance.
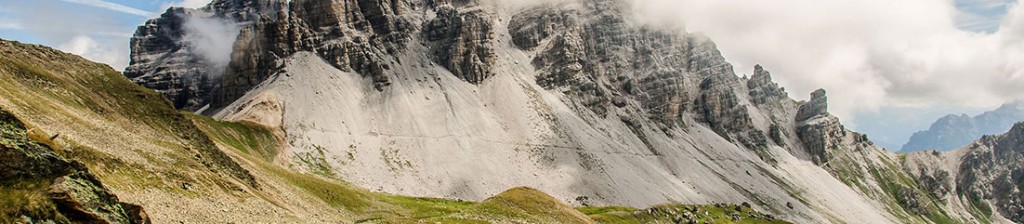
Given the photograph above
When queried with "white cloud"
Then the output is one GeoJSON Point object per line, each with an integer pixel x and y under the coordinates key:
{"type": "Point", "coordinates": [212, 39]}
{"type": "Point", "coordinates": [193, 3]}
{"type": "Point", "coordinates": [867, 53]}
{"type": "Point", "coordinates": [94, 50]}
{"type": "Point", "coordinates": [112, 6]}
{"type": "Point", "coordinates": [92, 32]}
{"type": "Point", "coordinates": [185, 3]}
{"type": "Point", "coordinates": [78, 45]}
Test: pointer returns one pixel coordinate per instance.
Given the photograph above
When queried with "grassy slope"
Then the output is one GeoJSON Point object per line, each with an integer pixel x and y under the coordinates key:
{"type": "Point", "coordinates": [194, 168]}
{"type": "Point", "coordinates": [517, 205]}
{"type": "Point", "coordinates": [103, 118]}
{"type": "Point", "coordinates": [899, 193]}
{"type": "Point", "coordinates": [23, 196]}
{"type": "Point", "coordinates": [673, 213]}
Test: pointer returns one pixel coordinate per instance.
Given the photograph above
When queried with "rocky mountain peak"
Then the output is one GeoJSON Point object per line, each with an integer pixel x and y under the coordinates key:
{"type": "Point", "coordinates": [537, 89]}
{"type": "Point", "coordinates": [763, 89]}
{"type": "Point", "coordinates": [955, 131]}
{"type": "Point", "coordinates": [992, 168]}
{"type": "Point", "coordinates": [174, 54]}
{"type": "Point", "coordinates": [817, 106]}
{"type": "Point", "coordinates": [245, 10]}
{"type": "Point", "coordinates": [1012, 143]}
{"type": "Point", "coordinates": [1017, 131]}
{"type": "Point", "coordinates": [1016, 105]}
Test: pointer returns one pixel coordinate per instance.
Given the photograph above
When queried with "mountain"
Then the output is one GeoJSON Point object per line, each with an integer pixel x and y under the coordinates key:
{"type": "Point", "coordinates": [986, 176]}
{"type": "Point", "coordinates": [80, 143]}
{"type": "Point", "coordinates": [952, 131]}
{"type": "Point", "coordinates": [464, 99]}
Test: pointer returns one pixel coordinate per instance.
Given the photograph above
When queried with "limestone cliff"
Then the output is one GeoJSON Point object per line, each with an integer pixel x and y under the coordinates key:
{"type": "Point", "coordinates": [466, 98]}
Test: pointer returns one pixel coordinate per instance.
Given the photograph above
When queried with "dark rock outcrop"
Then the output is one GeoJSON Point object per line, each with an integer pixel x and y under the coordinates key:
{"type": "Point", "coordinates": [356, 36]}
{"type": "Point", "coordinates": [820, 137]}
{"type": "Point", "coordinates": [817, 106]}
{"type": "Point", "coordinates": [531, 27]}
{"type": "Point", "coordinates": [819, 131]}
{"type": "Point", "coordinates": [75, 193]}
{"type": "Point", "coordinates": [597, 57]}
{"type": "Point", "coordinates": [161, 60]}
{"type": "Point", "coordinates": [600, 59]}
{"type": "Point", "coordinates": [993, 170]}
{"type": "Point", "coordinates": [462, 42]}
{"type": "Point", "coordinates": [719, 107]}
{"type": "Point", "coordinates": [762, 89]}
{"type": "Point", "coordinates": [165, 58]}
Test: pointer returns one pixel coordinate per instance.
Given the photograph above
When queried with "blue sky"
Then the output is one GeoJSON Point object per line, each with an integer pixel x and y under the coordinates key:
{"type": "Point", "coordinates": [891, 67]}
{"type": "Point", "coordinates": [981, 15]}
{"type": "Point", "coordinates": [99, 30]}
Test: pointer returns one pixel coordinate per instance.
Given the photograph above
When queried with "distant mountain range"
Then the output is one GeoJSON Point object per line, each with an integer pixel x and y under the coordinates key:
{"type": "Point", "coordinates": [955, 131]}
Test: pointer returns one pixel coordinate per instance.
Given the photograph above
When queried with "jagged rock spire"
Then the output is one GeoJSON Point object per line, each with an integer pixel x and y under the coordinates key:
{"type": "Point", "coordinates": [818, 105]}
{"type": "Point", "coordinates": [762, 89]}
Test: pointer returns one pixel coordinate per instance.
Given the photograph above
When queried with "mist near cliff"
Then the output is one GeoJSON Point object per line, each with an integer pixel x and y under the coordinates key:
{"type": "Point", "coordinates": [211, 39]}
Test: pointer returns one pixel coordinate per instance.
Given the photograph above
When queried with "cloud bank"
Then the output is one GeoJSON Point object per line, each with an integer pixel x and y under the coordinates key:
{"type": "Point", "coordinates": [869, 54]}
{"type": "Point", "coordinates": [91, 49]}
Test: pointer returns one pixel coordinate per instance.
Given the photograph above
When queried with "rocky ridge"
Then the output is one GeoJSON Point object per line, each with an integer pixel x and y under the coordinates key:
{"type": "Point", "coordinates": [955, 131]}
{"type": "Point", "coordinates": [983, 177]}
{"type": "Point", "coordinates": [166, 59]}
{"type": "Point", "coordinates": [89, 105]}
{"type": "Point", "coordinates": [573, 98]}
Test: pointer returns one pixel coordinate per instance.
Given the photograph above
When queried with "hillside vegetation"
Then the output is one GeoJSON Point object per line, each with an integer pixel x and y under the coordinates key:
{"type": "Point", "coordinates": [189, 168]}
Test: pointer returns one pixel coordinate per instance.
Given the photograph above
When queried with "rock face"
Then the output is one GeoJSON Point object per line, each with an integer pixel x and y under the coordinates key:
{"type": "Point", "coordinates": [76, 194]}
{"type": "Point", "coordinates": [161, 61]}
{"type": "Point", "coordinates": [993, 170]}
{"type": "Point", "coordinates": [953, 131]}
{"type": "Point", "coordinates": [819, 131]}
{"type": "Point", "coordinates": [165, 56]}
{"type": "Point", "coordinates": [762, 89]}
{"type": "Point", "coordinates": [462, 42]}
{"type": "Point", "coordinates": [354, 36]}
{"type": "Point", "coordinates": [465, 98]}
{"type": "Point", "coordinates": [820, 137]}
{"type": "Point", "coordinates": [985, 177]}
{"type": "Point", "coordinates": [817, 106]}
